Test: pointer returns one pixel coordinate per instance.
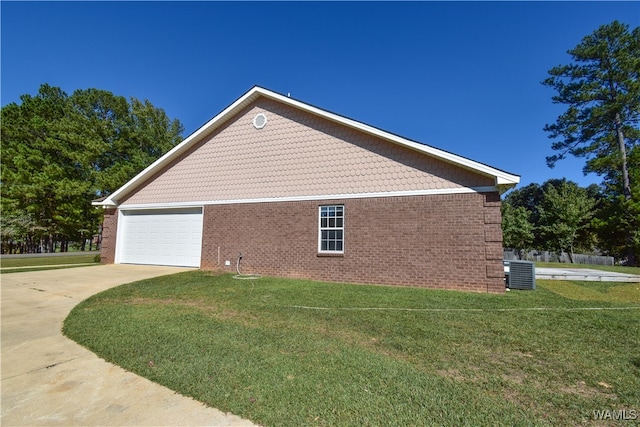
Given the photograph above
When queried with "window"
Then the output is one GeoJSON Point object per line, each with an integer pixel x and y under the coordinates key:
{"type": "Point", "coordinates": [331, 229]}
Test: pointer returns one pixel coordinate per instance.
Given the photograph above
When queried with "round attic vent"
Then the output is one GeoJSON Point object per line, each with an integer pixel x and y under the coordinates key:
{"type": "Point", "coordinates": [259, 121]}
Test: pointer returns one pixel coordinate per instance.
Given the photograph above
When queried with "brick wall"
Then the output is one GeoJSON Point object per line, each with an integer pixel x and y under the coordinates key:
{"type": "Point", "coordinates": [109, 231]}
{"type": "Point", "coordinates": [439, 241]}
{"type": "Point", "coordinates": [493, 242]}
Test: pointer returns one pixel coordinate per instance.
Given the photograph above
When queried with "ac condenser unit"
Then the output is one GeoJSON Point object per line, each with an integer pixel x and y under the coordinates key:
{"type": "Point", "coordinates": [520, 274]}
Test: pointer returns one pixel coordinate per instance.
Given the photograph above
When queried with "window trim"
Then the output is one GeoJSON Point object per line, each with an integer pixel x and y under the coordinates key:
{"type": "Point", "coordinates": [328, 252]}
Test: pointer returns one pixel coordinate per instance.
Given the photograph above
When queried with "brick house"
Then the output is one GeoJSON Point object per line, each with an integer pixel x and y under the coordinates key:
{"type": "Point", "coordinates": [306, 193]}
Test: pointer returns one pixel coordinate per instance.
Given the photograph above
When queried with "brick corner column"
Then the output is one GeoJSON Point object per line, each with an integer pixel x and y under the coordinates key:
{"type": "Point", "coordinates": [494, 252]}
{"type": "Point", "coordinates": [109, 232]}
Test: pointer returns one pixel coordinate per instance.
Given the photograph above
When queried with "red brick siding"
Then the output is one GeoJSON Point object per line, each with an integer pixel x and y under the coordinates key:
{"type": "Point", "coordinates": [493, 241]}
{"type": "Point", "coordinates": [439, 241]}
{"type": "Point", "coordinates": [109, 232]}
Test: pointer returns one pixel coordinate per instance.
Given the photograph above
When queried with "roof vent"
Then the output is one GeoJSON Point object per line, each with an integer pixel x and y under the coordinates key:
{"type": "Point", "coordinates": [259, 121]}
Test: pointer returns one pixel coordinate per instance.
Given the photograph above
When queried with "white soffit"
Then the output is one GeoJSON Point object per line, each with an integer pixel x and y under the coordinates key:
{"type": "Point", "coordinates": [501, 178]}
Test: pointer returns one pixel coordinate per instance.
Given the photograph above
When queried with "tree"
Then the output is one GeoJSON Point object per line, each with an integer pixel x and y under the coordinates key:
{"type": "Point", "coordinates": [617, 233]}
{"type": "Point", "coordinates": [517, 229]}
{"type": "Point", "coordinates": [564, 212]}
{"type": "Point", "coordinates": [61, 151]}
{"type": "Point", "coordinates": [40, 165]}
{"type": "Point", "coordinates": [124, 138]}
{"type": "Point", "coordinates": [531, 198]}
{"type": "Point", "coordinates": [602, 91]}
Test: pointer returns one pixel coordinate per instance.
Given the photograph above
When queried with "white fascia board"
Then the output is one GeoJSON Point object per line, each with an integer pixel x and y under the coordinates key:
{"type": "Point", "coordinates": [105, 203]}
{"type": "Point", "coordinates": [501, 178]}
{"type": "Point", "coordinates": [507, 179]}
{"type": "Point", "coordinates": [442, 191]}
{"type": "Point", "coordinates": [161, 206]}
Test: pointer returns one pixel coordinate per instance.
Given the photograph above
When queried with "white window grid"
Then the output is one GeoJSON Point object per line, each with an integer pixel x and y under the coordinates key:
{"type": "Point", "coordinates": [331, 229]}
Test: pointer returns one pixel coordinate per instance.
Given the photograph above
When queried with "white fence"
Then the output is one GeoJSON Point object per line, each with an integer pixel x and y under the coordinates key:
{"type": "Point", "coordinates": [545, 256]}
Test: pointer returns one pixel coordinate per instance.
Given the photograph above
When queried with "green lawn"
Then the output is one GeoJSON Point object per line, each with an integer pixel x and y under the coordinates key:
{"type": "Point", "coordinates": [16, 265]}
{"type": "Point", "coordinates": [291, 352]}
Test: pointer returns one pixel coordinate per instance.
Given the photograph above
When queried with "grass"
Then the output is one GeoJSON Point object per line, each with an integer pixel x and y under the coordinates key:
{"type": "Point", "coordinates": [613, 268]}
{"type": "Point", "coordinates": [17, 265]}
{"type": "Point", "coordinates": [374, 355]}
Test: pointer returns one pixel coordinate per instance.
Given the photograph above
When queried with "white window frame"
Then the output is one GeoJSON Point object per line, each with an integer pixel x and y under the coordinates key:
{"type": "Point", "coordinates": [329, 226]}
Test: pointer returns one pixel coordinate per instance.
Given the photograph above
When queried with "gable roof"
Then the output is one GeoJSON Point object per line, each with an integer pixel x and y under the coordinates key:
{"type": "Point", "coordinates": [503, 180]}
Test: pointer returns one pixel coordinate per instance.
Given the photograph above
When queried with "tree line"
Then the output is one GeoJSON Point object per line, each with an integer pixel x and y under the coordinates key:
{"type": "Point", "coordinates": [60, 152]}
{"type": "Point", "coordinates": [560, 216]}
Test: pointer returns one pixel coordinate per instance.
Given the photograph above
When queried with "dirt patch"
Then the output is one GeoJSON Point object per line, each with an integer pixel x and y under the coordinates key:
{"type": "Point", "coordinates": [517, 378]}
{"type": "Point", "coordinates": [583, 390]}
{"type": "Point", "coordinates": [171, 301]}
{"type": "Point", "coordinates": [521, 354]}
{"type": "Point", "coordinates": [453, 374]}
{"type": "Point", "coordinates": [228, 314]}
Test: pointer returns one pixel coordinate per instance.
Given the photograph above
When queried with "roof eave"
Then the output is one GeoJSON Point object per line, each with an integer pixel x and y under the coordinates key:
{"type": "Point", "coordinates": [507, 179]}
{"type": "Point", "coordinates": [105, 203]}
{"type": "Point", "coordinates": [506, 182]}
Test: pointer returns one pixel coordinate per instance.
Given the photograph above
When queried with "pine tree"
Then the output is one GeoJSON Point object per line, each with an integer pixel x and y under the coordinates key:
{"type": "Point", "coordinates": [601, 89]}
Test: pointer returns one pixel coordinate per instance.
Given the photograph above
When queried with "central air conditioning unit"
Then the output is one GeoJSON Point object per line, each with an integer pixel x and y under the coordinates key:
{"type": "Point", "coordinates": [520, 274]}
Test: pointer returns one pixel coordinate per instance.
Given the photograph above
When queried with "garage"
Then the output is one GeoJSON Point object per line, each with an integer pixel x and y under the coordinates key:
{"type": "Point", "coordinates": [160, 237]}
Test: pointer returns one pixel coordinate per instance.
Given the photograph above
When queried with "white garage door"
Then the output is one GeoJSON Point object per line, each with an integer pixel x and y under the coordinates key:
{"type": "Point", "coordinates": [161, 237]}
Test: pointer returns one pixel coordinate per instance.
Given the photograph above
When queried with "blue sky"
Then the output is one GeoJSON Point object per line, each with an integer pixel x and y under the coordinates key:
{"type": "Point", "coordinates": [461, 76]}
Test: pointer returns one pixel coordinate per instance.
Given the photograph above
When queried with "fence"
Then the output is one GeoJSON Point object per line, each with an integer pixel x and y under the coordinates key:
{"type": "Point", "coordinates": [545, 256]}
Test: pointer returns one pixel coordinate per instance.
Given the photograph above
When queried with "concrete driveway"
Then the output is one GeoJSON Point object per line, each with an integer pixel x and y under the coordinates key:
{"type": "Point", "coordinates": [585, 274]}
{"type": "Point", "coordinates": [48, 379]}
